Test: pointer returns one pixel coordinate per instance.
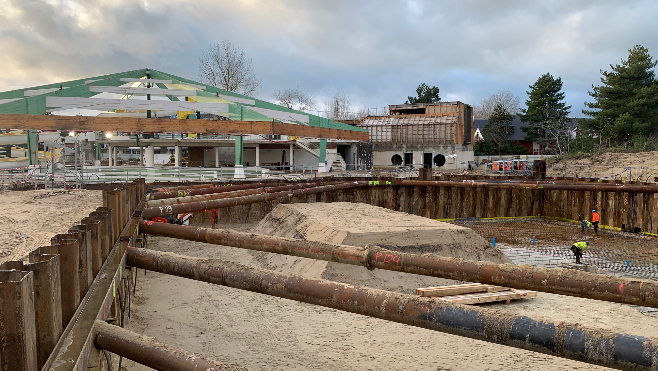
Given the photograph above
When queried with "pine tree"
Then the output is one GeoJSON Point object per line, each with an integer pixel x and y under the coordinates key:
{"type": "Point", "coordinates": [625, 107]}
{"type": "Point", "coordinates": [546, 114]}
{"type": "Point", "coordinates": [425, 94]}
{"type": "Point", "coordinates": [499, 128]}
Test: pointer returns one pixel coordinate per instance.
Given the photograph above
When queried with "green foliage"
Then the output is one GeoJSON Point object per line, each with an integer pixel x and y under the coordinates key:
{"type": "Point", "coordinates": [499, 127]}
{"type": "Point", "coordinates": [489, 148]}
{"type": "Point", "coordinates": [425, 95]}
{"type": "Point", "coordinates": [625, 107]}
{"type": "Point", "coordinates": [546, 114]}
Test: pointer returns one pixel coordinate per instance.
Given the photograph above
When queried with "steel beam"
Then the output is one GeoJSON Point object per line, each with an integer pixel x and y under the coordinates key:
{"type": "Point", "coordinates": [215, 196]}
{"type": "Point", "coordinates": [94, 227]}
{"type": "Point", "coordinates": [547, 186]}
{"type": "Point", "coordinates": [558, 281]}
{"type": "Point", "coordinates": [17, 327]}
{"type": "Point", "coordinates": [85, 256]}
{"type": "Point", "coordinates": [161, 125]}
{"type": "Point", "coordinates": [150, 352]}
{"type": "Point", "coordinates": [47, 299]}
{"type": "Point", "coordinates": [561, 339]}
{"type": "Point", "coordinates": [228, 202]}
{"type": "Point", "coordinates": [69, 265]}
{"type": "Point", "coordinates": [203, 191]}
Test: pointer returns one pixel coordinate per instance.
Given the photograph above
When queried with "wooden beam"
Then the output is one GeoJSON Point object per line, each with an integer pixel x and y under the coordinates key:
{"type": "Point", "coordinates": [459, 290]}
{"type": "Point", "coordinates": [146, 125]}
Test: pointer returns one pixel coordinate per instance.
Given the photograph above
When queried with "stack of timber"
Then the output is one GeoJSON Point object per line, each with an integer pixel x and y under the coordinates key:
{"type": "Point", "coordinates": [475, 293]}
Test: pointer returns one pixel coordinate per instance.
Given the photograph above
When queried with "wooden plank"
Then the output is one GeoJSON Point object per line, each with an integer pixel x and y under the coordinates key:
{"type": "Point", "coordinates": [482, 298]}
{"type": "Point", "coordinates": [458, 289]}
{"type": "Point", "coordinates": [146, 125]}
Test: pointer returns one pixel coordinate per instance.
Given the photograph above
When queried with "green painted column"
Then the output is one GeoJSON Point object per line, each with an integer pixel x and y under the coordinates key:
{"type": "Point", "coordinates": [323, 150]}
{"type": "Point", "coordinates": [98, 151]}
{"type": "Point", "coordinates": [322, 167]}
{"type": "Point", "coordinates": [32, 146]}
{"type": "Point", "coordinates": [239, 147]}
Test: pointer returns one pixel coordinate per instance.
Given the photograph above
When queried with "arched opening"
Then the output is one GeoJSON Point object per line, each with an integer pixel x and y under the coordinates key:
{"type": "Point", "coordinates": [396, 160]}
{"type": "Point", "coordinates": [439, 160]}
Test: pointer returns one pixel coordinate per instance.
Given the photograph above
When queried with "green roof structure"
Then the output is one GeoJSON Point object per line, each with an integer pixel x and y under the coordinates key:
{"type": "Point", "coordinates": [49, 98]}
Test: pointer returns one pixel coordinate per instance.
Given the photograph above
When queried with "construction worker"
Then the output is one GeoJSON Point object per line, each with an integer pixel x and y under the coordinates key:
{"type": "Point", "coordinates": [585, 225]}
{"type": "Point", "coordinates": [578, 249]}
{"type": "Point", "coordinates": [595, 220]}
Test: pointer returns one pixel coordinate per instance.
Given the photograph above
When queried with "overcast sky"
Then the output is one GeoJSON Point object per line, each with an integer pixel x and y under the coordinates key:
{"type": "Point", "coordinates": [376, 52]}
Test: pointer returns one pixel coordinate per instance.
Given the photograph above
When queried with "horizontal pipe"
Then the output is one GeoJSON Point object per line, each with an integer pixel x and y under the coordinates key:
{"type": "Point", "coordinates": [597, 187]}
{"type": "Point", "coordinates": [219, 196]}
{"type": "Point", "coordinates": [216, 196]}
{"type": "Point", "coordinates": [570, 282]}
{"type": "Point", "coordinates": [228, 202]}
{"type": "Point", "coordinates": [203, 191]}
{"type": "Point", "coordinates": [150, 352]}
{"type": "Point", "coordinates": [184, 187]}
{"type": "Point", "coordinates": [596, 346]}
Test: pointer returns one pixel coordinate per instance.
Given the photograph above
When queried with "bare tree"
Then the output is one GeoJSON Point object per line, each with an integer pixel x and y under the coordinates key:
{"type": "Point", "coordinates": [225, 66]}
{"type": "Point", "coordinates": [506, 99]}
{"type": "Point", "coordinates": [339, 108]}
{"type": "Point", "coordinates": [294, 99]}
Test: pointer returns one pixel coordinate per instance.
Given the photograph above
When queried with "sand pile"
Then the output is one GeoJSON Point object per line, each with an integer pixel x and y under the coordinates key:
{"type": "Point", "coordinates": [356, 224]}
{"type": "Point", "coordinates": [30, 218]}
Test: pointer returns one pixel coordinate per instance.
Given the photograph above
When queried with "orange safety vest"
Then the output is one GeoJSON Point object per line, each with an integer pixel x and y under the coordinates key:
{"type": "Point", "coordinates": [595, 217]}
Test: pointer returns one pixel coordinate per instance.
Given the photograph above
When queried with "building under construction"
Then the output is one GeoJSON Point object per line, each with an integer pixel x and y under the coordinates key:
{"type": "Point", "coordinates": [78, 302]}
{"type": "Point", "coordinates": [423, 135]}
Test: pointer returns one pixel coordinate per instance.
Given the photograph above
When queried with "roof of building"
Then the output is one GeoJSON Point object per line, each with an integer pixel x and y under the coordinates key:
{"type": "Point", "coordinates": [84, 93]}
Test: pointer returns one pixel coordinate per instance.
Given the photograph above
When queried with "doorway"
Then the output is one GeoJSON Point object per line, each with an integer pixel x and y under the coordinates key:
{"type": "Point", "coordinates": [408, 158]}
{"type": "Point", "coordinates": [427, 160]}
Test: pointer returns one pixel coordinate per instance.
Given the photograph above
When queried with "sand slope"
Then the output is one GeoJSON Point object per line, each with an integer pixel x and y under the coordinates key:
{"type": "Point", "coordinates": [28, 219]}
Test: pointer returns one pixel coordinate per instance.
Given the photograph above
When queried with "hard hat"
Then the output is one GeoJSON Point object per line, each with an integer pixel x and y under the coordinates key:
{"type": "Point", "coordinates": [593, 211]}
{"type": "Point", "coordinates": [587, 242]}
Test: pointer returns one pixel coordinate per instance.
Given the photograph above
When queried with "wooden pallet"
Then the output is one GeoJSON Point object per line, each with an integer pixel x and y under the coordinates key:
{"type": "Point", "coordinates": [475, 293]}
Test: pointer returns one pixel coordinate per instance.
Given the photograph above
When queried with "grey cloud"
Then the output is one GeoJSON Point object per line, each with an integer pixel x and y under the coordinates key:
{"type": "Point", "coordinates": [375, 51]}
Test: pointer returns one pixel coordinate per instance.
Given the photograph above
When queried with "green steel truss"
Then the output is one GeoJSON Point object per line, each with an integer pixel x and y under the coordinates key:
{"type": "Point", "coordinates": [16, 101]}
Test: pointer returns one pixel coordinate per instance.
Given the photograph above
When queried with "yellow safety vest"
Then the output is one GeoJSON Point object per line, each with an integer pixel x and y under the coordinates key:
{"type": "Point", "coordinates": [581, 245]}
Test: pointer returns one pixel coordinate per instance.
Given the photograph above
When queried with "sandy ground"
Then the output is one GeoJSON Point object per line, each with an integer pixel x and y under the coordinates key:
{"type": "Point", "coordinates": [29, 219]}
{"type": "Point", "coordinates": [267, 333]}
{"type": "Point", "coordinates": [644, 165]}
{"type": "Point", "coordinates": [358, 224]}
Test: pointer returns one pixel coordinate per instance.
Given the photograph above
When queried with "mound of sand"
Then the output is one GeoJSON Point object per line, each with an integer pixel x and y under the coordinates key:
{"type": "Point", "coordinates": [30, 218]}
{"type": "Point", "coordinates": [356, 224]}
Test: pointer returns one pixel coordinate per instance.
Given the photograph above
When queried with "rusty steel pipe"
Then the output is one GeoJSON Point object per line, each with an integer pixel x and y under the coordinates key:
{"type": "Point", "coordinates": [278, 245]}
{"type": "Point", "coordinates": [150, 352]}
{"type": "Point", "coordinates": [217, 196]}
{"type": "Point", "coordinates": [541, 186]}
{"type": "Point", "coordinates": [596, 346]}
{"type": "Point", "coordinates": [203, 191]}
{"type": "Point", "coordinates": [558, 281]}
{"type": "Point", "coordinates": [184, 187]}
{"type": "Point", "coordinates": [228, 202]}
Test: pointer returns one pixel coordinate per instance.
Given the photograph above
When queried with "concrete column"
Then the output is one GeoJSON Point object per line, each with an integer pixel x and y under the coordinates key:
{"type": "Point", "coordinates": [149, 157]}
{"type": "Point", "coordinates": [322, 166]}
{"type": "Point", "coordinates": [177, 156]}
{"type": "Point", "coordinates": [239, 147]}
{"type": "Point", "coordinates": [257, 155]}
{"type": "Point", "coordinates": [291, 161]}
{"type": "Point", "coordinates": [110, 156]}
{"type": "Point", "coordinates": [216, 156]}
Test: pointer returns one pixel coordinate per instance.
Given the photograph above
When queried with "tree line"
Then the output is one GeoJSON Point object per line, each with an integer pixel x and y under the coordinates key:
{"type": "Point", "coordinates": [623, 113]}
